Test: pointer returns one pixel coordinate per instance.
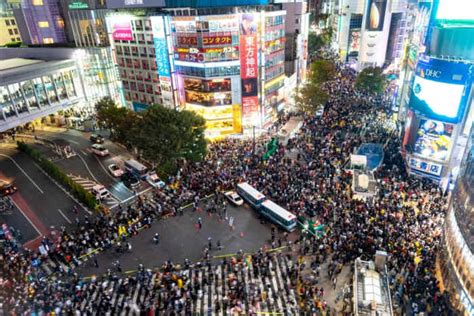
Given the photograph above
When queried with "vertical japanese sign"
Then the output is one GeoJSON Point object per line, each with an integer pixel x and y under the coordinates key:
{"type": "Point", "coordinates": [161, 47]}
{"type": "Point", "coordinates": [249, 68]}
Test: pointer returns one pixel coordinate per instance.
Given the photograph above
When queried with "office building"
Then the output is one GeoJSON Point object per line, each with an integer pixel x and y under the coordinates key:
{"type": "Point", "coordinates": [457, 264]}
{"type": "Point", "coordinates": [372, 32]}
{"type": "Point", "coordinates": [40, 22]}
{"type": "Point", "coordinates": [438, 107]}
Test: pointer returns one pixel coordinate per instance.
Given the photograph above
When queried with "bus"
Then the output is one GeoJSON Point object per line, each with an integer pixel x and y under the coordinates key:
{"type": "Point", "coordinates": [278, 215]}
{"type": "Point", "coordinates": [250, 194]}
{"type": "Point", "coordinates": [136, 168]}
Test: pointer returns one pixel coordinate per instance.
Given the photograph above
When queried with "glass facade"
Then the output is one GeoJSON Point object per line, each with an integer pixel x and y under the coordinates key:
{"type": "Point", "coordinates": [33, 94]}
{"type": "Point", "coordinates": [458, 263]}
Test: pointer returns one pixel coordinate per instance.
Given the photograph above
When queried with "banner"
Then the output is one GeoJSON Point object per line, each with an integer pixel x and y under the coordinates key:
{"type": "Point", "coordinates": [249, 68]}
{"type": "Point", "coordinates": [161, 47]}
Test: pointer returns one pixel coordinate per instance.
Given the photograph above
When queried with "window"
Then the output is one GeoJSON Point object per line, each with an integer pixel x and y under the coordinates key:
{"type": "Point", "coordinates": [7, 22]}
{"type": "Point", "coordinates": [12, 22]}
{"type": "Point", "coordinates": [15, 31]}
{"type": "Point", "coordinates": [37, 2]}
{"type": "Point", "coordinates": [43, 24]}
{"type": "Point", "coordinates": [48, 40]}
{"type": "Point", "coordinates": [18, 39]}
{"type": "Point", "coordinates": [60, 22]}
{"type": "Point", "coordinates": [10, 31]}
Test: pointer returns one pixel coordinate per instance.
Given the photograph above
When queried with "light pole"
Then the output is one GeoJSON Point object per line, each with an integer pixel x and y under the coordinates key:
{"type": "Point", "coordinates": [253, 143]}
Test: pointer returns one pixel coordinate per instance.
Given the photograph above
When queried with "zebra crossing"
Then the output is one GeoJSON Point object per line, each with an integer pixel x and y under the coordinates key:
{"type": "Point", "coordinates": [88, 184]}
{"type": "Point", "coordinates": [147, 291]}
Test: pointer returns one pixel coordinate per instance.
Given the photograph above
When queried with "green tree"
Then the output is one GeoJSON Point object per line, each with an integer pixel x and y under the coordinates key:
{"type": "Point", "coordinates": [310, 98]}
{"type": "Point", "coordinates": [372, 80]}
{"type": "Point", "coordinates": [321, 71]}
{"type": "Point", "coordinates": [118, 120]}
{"type": "Point", "coordinates": [165, 135]}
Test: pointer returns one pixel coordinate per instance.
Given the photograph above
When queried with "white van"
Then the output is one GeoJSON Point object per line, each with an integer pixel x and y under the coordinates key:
{"type": "Point", "coordinates": [100, 192]}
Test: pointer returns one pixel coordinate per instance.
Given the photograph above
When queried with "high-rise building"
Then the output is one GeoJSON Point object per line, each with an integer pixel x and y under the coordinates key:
{"type": "Point", "coordinates": [457, 264]}
{"type": "Point", "coordinates": [372, 32]}
{"type": "Point", "coordinates": [8, 27]}
{"type": "Point", "coordinates": [437, 99]}
{"type": "Point", "coordinates": [40, 22]}
{"type": "Point", "coordinates": [225, 63]}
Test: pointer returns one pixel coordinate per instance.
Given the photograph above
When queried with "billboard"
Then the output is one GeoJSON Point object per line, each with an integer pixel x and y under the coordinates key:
{"type": "Point", "coordinates": [425, 166]}
{"type": "Point", "coordinates": [161, 47]}
{"type": "Point", "coordinates": [249, 68]}
{"type": "Point", "coordinates": [375, 15]}
{"type": "Point", "coordinates": [217, 40]}
{"type": "Point", "coordinates": [455, 10]}
{"type": "Point", "coordinates": [122, 29]}
{"type": "Point", "coordinates": [433, 140]}
{"type": "Point", "coordinates": [438, 89]}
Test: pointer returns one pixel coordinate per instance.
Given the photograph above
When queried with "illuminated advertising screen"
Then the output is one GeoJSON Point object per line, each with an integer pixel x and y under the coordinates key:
{"type": "Point", "coordinates": [354, 41]}
{"type": "Point", "coordinates": [421, 22]}
{"type": "Point", "coordinates": [121, 29]}
{"type": "Point", "coordinates": [438, 89]}
{"type": "Point", "coordinates": [375, 15]}
{"type": "Point", "coordinates": [433, 140]}
{"type": "Point", "coordinates": [249, 67]}
{"type": "Point", "coordinates": [455, 10]}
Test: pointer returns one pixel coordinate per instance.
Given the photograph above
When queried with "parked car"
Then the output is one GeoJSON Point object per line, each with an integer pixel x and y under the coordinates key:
{"type": "Point", "coordinates": [99, 150]}
{"type": "Point", "coordinates": [234, 198]}
{"type": "Point", "coordinates": [7, 188]}
{"type": "Point", "coordinates": [130, 180]}
{"type": "Point", "coordinates": [100, 192]}
{"type": "Point", "coordinates": [153, 179]}
{"type": "Point", "coordinates": [115, 170]}
{"type": "Point", "coordinates": [96, 139]}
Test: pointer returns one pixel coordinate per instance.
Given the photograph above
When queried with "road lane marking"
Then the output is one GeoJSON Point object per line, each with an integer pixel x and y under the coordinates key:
{"type": "Point", "coordinates": [27, 218]}
{"type": "Point", "coordinates": [24, 172]}
{"type": "Point", "coordinates": [105, 170]}
{"type": "Point", "coordinates": [83, 152]}
{"type": "Point", "coordinates": [73, 141]}
{"type": "Point", "coordinates": [63, 189]}
{"type": "Point", "coordinates": [65, 217]}
{"type": "Point", "coordinates": [87, 167]}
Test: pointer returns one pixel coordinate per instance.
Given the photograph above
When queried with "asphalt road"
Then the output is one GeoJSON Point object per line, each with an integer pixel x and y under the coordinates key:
{"type": "Point", "coordinates": [40, 201]}
{"type": "Point", "coordinates": [89, 166]}
{"type": "Point", "coordinates": [181, 239]}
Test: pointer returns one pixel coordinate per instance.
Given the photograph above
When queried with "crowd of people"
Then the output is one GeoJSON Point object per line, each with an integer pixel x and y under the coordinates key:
{"type": "Point", "coordinates": [307, 176]}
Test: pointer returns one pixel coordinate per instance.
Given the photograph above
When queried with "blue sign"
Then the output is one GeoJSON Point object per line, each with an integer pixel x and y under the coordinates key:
{"type": "Point", "coordinates": [139, 107]}
{"type": "Point", "coordinates": [162, 57]}
{"type": "Point", "coordinates": [439, 89]}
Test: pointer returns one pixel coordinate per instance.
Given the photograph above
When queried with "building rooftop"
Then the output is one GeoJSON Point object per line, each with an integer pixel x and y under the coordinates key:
{"type": "Point", "coordinates": [14, 70]}
{"type": "Point", "coordinates": [17, 62]}
{"type": "Point", "coordinates": [371, 290]}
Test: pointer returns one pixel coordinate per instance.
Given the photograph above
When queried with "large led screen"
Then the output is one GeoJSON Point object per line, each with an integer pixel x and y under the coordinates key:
{"type": "Point", "coordinates": [455, 10]}
{"type": "Point", "coordinates": [439, 89]}
{"type": "Point", "coordinates": [436, 98]}
{"type": "Point", "coordinates": [375, 15]}
{"type": "Point", "coordinates": [433, 140]}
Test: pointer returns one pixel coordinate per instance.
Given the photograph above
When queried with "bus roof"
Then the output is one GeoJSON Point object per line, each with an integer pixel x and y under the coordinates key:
{"type": "Point", "coordinates": [135, 164]}
{"type": "Point", "coordinates": [277, 209]}
{"type": "Point", "coordinates": [251, 190]}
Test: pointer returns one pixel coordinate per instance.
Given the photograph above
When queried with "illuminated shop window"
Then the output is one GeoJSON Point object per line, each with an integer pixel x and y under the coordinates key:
{"type": "Point", "coordinates": [43, 24]}
{"type": "Point", "coordinates": [37, 2]}
{"type": "Point", "coordinates": [48, 40]}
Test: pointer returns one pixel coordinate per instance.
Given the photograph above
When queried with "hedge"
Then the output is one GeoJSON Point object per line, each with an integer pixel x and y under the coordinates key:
{"type": "Point", "coordinates": [50, 168]}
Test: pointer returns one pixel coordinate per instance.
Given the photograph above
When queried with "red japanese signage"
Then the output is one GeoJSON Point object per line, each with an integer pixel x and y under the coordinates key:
{"type": "Point", "coordinates": [249, 68]}
{"type": "Point", "coordinates": [186, 40]}
{"type": "Point", "coordinates": [216, 40]}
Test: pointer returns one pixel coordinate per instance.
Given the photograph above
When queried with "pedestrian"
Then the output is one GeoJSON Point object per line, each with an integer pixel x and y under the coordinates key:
{"type": "Point", "coordinates": [96, 262]}
{"type": "Point", "coordinates": [209, 243]}
{"type": "Point", "coordinates": [199, 223]}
